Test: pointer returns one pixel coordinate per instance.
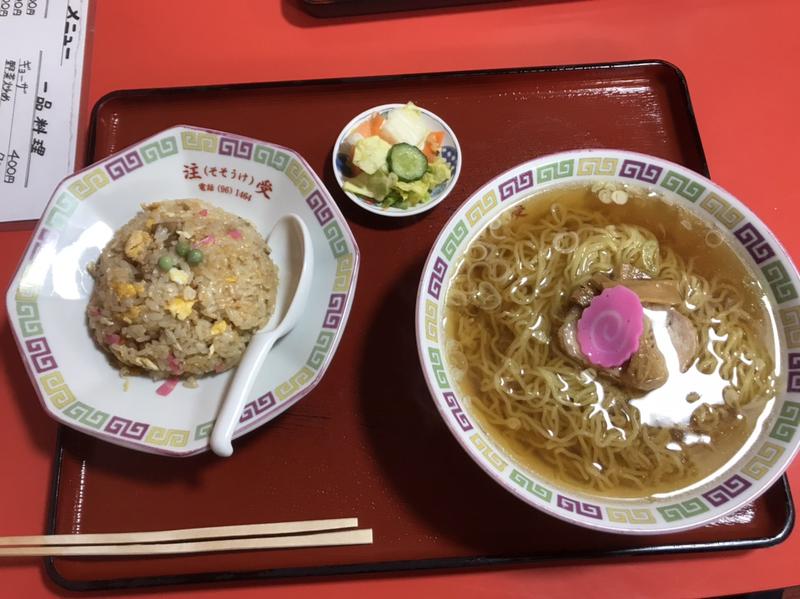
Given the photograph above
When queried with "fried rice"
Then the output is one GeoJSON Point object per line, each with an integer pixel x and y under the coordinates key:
{"type": "Point", "coordinates": [180, 290]}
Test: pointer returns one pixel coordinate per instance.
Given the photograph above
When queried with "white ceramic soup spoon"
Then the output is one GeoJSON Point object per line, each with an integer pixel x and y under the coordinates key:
{"type": "Point", "coordinates": [290, 249]}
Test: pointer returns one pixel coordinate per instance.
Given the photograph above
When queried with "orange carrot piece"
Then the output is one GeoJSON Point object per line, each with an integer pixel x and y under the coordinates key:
{"type": "Point", "coordinates": [364, 129]}
{"type": "Point", "coordinates": [376, 122]}
{"type": "Point", "coordinates": [433, 143]}
{"type": "Point", "coordinates": [435, 138]}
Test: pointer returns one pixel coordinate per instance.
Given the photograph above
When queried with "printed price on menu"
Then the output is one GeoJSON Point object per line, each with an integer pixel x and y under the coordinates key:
{"type": "Point", "coordinates": [41, 64]}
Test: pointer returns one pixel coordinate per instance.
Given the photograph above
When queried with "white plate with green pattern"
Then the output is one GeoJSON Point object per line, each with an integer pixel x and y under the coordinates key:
{"type": "Point", "coordinates": [47, 298]}
{"type": "Point", "coordinates": [749, 473]}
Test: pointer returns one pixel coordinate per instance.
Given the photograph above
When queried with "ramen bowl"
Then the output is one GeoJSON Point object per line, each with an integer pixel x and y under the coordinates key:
{"type": "Point", "coordinates": [739, 479]}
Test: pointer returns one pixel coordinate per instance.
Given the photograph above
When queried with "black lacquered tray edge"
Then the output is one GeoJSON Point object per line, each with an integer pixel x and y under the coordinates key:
{"type": "Point", "coordinates": [332, 9]}
{"type": "Point", "coordinates": [320, 572]}
{"type": "Point", "coordinates": [408, 565]}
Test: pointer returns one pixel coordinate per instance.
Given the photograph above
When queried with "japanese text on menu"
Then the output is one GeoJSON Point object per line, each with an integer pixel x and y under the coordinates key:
{"type": "Point", "coordinates": [41, 62]}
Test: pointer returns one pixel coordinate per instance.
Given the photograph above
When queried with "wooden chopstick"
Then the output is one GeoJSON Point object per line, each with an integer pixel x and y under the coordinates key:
{"type": "Point", "coordinates": [326, 539]}
{"type": "Point", "coordinates": [182, 534]}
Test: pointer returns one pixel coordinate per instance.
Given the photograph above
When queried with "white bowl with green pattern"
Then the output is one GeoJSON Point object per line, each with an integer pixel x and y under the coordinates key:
{"type": "Point", "coordinates": [47, 298]}
{"type": "Point", "coordinates": [749, 474]}
{"type": "Point", "coordinates": [450, 153]}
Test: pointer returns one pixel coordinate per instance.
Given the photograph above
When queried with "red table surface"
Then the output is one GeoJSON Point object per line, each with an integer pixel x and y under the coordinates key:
{"type": "Point", "coordinates": [739, 57]}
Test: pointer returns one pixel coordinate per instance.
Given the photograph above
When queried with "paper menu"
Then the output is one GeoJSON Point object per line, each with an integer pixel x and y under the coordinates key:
{"type": "Point", "coordinates": [41, 65]}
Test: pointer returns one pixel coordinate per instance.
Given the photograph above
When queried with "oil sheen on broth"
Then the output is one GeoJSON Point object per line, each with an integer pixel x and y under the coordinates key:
{"type": "Point", "coordinates": [690, 400]}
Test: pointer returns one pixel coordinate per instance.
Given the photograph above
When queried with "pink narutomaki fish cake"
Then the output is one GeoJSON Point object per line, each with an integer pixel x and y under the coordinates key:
{"type": "Point", "coordinates": [610, 328]}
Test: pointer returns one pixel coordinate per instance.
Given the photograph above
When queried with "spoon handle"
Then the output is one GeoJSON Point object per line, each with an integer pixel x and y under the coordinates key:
{"type": "Point", "coordinates": [238, 392]}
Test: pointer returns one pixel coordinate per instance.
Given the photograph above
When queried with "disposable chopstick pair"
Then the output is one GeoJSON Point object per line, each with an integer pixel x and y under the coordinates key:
{"type": "Point", "coordinates": [278, 535]}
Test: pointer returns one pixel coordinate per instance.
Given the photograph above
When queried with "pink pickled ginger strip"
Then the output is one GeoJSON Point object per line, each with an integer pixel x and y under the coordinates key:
{"type": "Point", "coordinates": [175, 365]}
{"type": "Point", "coordinates": [112, 339]}
{"type": "Point", "coordinates": [235, 234]}
{"type": "Point", "coordinates": [207, 240]}
{"type": "Point", "coordinates": [167, 387]}
{"type": "Point", "coordinates": [610, 328]}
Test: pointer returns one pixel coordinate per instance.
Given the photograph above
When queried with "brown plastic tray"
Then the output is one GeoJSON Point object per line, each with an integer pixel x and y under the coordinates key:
{"type": "Point", "coordinates": [368, 440]}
